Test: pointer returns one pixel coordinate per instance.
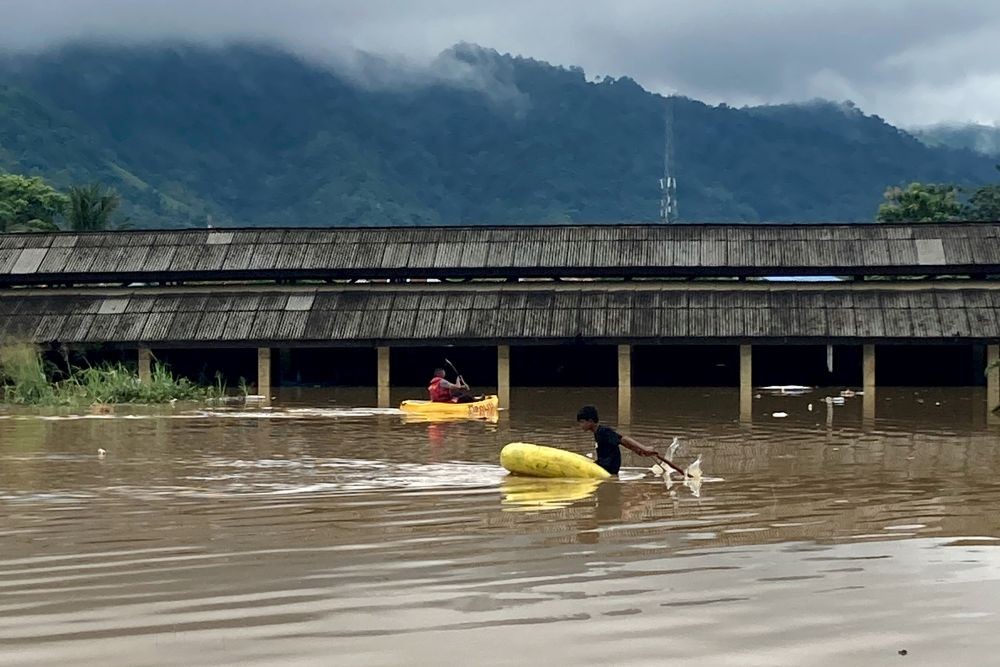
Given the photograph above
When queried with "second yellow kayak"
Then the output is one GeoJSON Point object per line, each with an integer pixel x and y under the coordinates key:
{"type": "Point", "coordinates": [524, 458]}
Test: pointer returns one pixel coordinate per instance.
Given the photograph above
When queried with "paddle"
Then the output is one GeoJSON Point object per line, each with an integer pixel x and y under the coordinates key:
{"type": "Point", "coordinates": [461, 380]}
{"type": "Point", "coordinates": [693, 470]}
{"type": "Point", "coordinates": [675, 467]}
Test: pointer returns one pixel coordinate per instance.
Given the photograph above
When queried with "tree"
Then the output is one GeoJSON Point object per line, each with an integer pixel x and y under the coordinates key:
{"type": "Point", "coordinates": [91, 207]}
{"type": "Point", "coordinates": [984, 204]}
{"type": "Point", "coordinates": [920, 202]}
{"type": "Point", "coordinates": [29, 204]}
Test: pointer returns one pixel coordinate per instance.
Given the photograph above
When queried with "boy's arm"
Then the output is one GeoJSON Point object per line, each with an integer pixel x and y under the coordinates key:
{"type": "Point", "coordinates": [637, 447]}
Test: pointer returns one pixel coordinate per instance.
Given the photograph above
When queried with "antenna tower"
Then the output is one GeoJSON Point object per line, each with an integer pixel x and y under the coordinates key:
{"type": "Point", "coordinates": [668, 184]}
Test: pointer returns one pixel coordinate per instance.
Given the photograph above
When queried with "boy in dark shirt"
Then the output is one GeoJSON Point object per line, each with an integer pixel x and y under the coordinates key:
{"type": "Point", "coordinates": [608, 440]}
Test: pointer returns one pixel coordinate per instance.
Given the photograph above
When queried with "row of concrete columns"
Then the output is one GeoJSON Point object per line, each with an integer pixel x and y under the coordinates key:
{"type": "Point", "coordinates": [624, 377]}
{"type": "Point", "coordinates": [503, 376]}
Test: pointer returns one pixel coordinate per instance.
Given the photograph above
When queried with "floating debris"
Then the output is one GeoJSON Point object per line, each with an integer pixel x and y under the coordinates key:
{"type": "Point", "coordinates": [674, 446]}
{"type": "Point", "coordinates": [779, 415]}
{"type": "Point", "coordinates": [788, 388]}
{"type": "Point", "coordinates": [101, 453]}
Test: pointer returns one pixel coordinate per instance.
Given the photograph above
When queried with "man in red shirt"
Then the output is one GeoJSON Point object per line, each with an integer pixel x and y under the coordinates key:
{"type": "Point", "coordinates": [442, 391]}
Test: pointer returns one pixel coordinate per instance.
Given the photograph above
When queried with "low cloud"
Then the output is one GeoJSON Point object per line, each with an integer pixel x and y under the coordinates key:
{"type": "Point", "coordinates": [911, 61]}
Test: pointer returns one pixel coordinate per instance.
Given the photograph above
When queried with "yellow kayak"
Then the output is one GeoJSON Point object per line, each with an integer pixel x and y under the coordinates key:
{"type": "Point", "coordinates": [523, 458]}
{"type": "Point", "coordinates": [484, 409]}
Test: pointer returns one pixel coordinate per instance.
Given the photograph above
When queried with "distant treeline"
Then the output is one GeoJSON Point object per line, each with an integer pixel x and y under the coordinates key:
{"type": "Point", "coordinates": [29, 204]}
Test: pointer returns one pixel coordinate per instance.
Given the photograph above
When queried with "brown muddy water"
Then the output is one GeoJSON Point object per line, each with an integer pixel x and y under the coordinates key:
{"type": "Point", "coordinates": [320, 535]}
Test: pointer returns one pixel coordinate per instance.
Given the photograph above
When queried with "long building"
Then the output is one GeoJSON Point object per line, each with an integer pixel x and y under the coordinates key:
{"type": "Point", "coordinates": [504, 287]}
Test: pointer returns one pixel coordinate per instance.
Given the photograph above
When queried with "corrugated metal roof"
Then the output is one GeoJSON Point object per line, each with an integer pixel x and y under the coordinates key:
{"type": "Point", "coordinates": [517, 251]}
{"type": "Point", "coordinates": [518, 313]}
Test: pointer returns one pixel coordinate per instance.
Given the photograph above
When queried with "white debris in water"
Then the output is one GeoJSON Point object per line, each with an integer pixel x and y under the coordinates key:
{"type": "Point", "coordinates": [672, 450]}
{"type": "Point", "coordinates": [101, 453]}
{"type": "Point", "coordinates": [787, 388]}
{"type": "Point", "coordinates": [810, 407]}
{"type": "Point", "coordinates": [779, 415]}
{"type": "Point", "coordinates": [693, 471]}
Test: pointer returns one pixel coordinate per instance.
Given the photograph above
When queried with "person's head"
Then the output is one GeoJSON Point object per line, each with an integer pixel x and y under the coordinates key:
{"type": "Point", "coordinates": [587, 418]}
{"type": "Point", "coordinates": [439, 373]}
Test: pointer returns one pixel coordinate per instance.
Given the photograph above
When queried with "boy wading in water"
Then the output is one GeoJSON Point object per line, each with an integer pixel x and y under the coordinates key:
{"type": "Point", "coordinates": [607, 440]}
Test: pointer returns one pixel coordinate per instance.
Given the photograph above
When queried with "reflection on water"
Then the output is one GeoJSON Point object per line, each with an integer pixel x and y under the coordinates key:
{"type": "Point", "coordinates": [330, 535]}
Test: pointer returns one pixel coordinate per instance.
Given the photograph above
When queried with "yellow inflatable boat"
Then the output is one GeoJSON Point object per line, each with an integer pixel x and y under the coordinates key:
{"type": "Point", "coordinates": [523, 458]}
{"type": "Point", "coordinates": [484, 409]}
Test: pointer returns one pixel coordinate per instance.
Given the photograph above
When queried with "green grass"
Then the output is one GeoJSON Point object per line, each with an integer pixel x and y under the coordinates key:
{"type": "Point", "coordinates": [25, 380]}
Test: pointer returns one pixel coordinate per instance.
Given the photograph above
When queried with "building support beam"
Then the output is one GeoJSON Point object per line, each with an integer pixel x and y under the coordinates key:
{"type": "Point", "coordinates": [746, 384]}
{"type": "Point", "coordinates": [624, 384]}
{"type": "Point", "coordinates": [503, 376]}
{"type": "Point", "coordinates": [868, 383]}
{"type": "Point", "coordinates": [264, 374]}
{"type": "Point", "coordinates": [145, 365]}
{"type": "Point", "coordinates": [992, 378]}
{"type": "Point", "coordinates": [383, 377]}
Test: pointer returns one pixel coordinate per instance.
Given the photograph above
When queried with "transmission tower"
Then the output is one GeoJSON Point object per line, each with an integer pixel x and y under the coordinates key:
{"type": "Point", "coordinates": [668, 184]}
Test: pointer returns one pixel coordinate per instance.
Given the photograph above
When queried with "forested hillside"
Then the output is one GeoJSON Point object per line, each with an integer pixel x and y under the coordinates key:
{"type": "Point", "coordinates": [253, 136]}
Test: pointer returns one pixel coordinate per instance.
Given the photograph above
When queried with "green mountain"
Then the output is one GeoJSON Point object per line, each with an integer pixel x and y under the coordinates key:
{"type": "Point", "coordinates": [984, 139]}
{"type": "Point", "coordinates": [254, 136]}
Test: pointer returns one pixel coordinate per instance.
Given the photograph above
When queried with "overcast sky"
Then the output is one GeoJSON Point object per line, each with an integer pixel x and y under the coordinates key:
{"type": "Point", "coordinates": [912, 61]}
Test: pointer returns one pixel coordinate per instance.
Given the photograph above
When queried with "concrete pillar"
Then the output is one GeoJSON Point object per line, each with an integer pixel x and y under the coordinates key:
{"type": "Point", "coordinates": [868, 383]}
{"type": "Point", "coordinates": [264, 373]}
{"type": "Point", "coordinates": [383, 377]}
{"type": "Point", "coordinates": [868, 366]}
{"type": "Point", "coordinates": [992, 378]}
{"type": "Point", "coordinates": [145, 365]}
{"type": "Point", "coordinates": [624, 384]}
{"type": "Point", "coordinates": [503, 375]}
{"type": "Point", "coordinates": [746, 383]}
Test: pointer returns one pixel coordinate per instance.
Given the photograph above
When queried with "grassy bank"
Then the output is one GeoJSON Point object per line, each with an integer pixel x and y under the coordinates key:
{"type": "Point", "coordinates": [26, 379]}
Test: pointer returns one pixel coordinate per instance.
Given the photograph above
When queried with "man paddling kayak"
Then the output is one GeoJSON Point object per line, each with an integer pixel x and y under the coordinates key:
{"type": "Point", "coordinates": [442, 391]}
{"type": "Point", "coordinates": [607, 440]}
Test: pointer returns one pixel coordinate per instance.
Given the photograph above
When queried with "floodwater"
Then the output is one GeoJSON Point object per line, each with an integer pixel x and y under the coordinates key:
{"type": "Point", "coordinates": [318, 535]}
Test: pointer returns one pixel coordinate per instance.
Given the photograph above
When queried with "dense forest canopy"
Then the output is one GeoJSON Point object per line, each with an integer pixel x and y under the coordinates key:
{"type": "Point", "coordinates": [253, 136]}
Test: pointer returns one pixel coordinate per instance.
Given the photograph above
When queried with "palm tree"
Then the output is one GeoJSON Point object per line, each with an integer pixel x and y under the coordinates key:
{"type": "Point", "coordinates": [91, 208]}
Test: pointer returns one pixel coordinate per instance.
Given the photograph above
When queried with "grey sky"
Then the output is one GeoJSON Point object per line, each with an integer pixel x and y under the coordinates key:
{"type": "Point", "coordinates": [911, 61]}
